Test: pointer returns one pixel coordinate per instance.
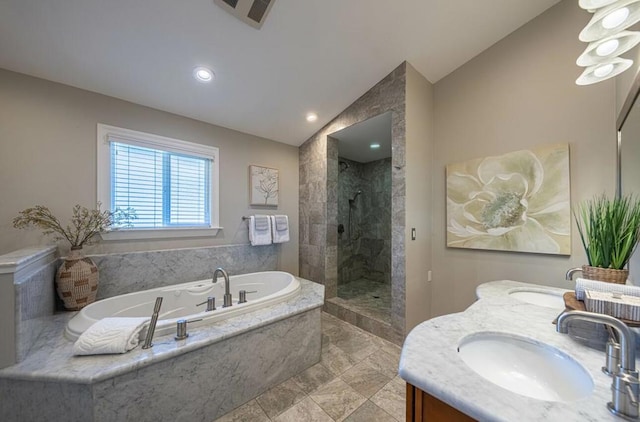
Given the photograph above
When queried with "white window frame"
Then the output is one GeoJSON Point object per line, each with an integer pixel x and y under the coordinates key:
{"type": "Point", "coordinates": [148, 140]}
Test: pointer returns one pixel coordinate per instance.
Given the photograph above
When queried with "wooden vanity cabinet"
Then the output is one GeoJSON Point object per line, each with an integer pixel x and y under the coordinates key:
{"type": "Point", "coordinates": [423, 407]}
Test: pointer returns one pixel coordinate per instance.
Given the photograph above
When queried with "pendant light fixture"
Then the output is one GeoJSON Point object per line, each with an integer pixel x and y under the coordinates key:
{"type": "Point", "coordinates": [607, 38]}
{"type": "Point", "coordinates": [603, 50]}
{"type": "Point", "coordinates": [611, 19]}
{"type": "Point", "coordinates": [592, 5]}
{"type": "Point", "coordinates": [603, 71]}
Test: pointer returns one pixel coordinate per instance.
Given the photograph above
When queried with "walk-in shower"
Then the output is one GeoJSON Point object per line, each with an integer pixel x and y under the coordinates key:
{"type": "Point", "coordinates": [364, 218]}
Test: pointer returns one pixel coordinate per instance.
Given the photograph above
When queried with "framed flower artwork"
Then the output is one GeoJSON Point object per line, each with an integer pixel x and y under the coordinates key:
{"type": "Point", "coordinates": [519, 201]}
{"type": "Point", "coordinates": [263, 186]}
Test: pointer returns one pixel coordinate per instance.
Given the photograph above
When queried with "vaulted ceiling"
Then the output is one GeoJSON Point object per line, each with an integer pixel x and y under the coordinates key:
{"type": "Point", "coordinates": [309, 55]}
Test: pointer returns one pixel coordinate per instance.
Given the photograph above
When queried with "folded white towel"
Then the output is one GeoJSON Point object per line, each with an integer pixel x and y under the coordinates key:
{"type": "Point", "coordinates": [110, 335]}
{"type": "Point", "coordinates": [260, 230]}
{"type": "Point", "coordinates": [583, 284]}
{"type": "Point", "coordinates": [280, 228]}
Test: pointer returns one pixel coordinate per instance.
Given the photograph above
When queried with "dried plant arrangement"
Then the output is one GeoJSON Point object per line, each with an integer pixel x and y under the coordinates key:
{"type": "Point", "coordinates": [84, 225]}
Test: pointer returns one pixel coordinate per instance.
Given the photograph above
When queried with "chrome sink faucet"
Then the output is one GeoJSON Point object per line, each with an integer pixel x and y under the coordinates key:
{"type": "Point", "coordinates": [626, 387]}
{"type": "Point", "coordinates": [569, 275]}
{"type": "Point", "coordinates": [227, 294]}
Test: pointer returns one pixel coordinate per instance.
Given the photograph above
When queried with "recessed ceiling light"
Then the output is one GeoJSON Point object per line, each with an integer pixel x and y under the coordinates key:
{"type": "Point", "coordinates": [312, 117]}
{"type": "Point", "coordinates": [202, 74]}
{"type": "Point", "coordinates": [374, 146]}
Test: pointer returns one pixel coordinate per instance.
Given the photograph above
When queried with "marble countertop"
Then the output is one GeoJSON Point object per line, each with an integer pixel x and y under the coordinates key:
{"type": "Point", "coordinates": [51, 358]}
{"type": "Point", "coordinates": [430, 360]}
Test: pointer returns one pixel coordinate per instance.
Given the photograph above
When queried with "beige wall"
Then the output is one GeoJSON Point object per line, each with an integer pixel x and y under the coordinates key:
{"type": "Point", "coordinates": [48, 157]}
{"type": "Point", "coordinates": [419, 170]}
{"type": "Point", "coordinates": [518, 94]}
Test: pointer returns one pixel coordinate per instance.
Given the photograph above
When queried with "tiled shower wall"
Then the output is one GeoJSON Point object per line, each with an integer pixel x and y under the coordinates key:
{"type": "Point", "coordinates": [319, 188]}
{"type": "Point", "coordinates": [364, 248]}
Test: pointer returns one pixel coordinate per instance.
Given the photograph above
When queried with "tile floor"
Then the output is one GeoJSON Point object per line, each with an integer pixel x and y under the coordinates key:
{"type": "Point", "coordinates": [366, 297]}
{"type": "Point", "coordinates": [356, 381]}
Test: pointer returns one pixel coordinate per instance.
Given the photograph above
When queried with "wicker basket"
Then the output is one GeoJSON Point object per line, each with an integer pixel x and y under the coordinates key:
{"type": "Point", "coordinates": [608, 275]}
{"type": "Point", "coordinates": [77, 281]}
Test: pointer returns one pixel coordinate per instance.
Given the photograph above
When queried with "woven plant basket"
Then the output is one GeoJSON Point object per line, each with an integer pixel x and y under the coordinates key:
{"type": "Point", "coordinates": [608, 275]}
{"type": "Point", "coordinates": [77, 281]}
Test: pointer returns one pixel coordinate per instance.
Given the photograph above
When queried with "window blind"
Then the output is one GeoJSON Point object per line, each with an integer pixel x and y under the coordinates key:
{"type": "Point", "coordinates": [166, 189]}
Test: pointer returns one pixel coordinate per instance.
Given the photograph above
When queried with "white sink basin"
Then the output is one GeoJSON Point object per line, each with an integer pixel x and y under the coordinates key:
{"type": "Point", "coordinates": [526, 367]}
{"type": "Point", "coordinates": [541, 297]}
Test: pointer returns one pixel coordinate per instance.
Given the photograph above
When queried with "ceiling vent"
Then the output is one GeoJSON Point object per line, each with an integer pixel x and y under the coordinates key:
{"type": "Point", "coordinates": [252, 12]}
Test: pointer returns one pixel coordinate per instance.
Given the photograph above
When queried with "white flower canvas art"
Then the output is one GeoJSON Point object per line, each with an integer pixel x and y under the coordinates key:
{"type": "Point", "coordinates": [263, 186]}
{"type": "Point", "coordinates": [519, 201]}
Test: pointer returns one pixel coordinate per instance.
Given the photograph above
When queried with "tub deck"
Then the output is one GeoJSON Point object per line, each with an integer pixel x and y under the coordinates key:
{"type": "Point", "coordinates": [217, 368]}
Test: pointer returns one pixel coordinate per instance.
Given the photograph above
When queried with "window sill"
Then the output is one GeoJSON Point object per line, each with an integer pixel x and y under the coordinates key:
{"type": "Point", "coordinates": [168, 233]}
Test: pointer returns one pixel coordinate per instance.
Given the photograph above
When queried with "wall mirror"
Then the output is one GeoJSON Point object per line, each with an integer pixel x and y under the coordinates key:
{"type": "Point", "coordinates": [628, 158]}
{"type": "Point", "coordinates": [629, 143]}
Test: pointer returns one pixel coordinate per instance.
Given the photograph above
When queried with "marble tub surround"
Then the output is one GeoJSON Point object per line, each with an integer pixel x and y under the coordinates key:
{"type": "Point", "coordinates": [27, 298]}
{"type": "Point", "coordinates": [356, 381]}
{"type": "Point", "coordinates": [217, 368]}
{"type": "Point", "coordinates": [134, 271]}
{"type": "Point", "coordinates": [430, 360]}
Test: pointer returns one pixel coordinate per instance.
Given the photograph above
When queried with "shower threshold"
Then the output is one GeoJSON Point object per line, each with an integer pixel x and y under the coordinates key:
{"type": "Point", "coordinates": [365, 304]}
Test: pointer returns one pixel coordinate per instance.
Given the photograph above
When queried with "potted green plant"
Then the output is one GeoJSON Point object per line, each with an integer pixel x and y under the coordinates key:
{"type": "Point", "coordinates": [609, 230]}
{"type": "Point", "coordinates": [77, 277]}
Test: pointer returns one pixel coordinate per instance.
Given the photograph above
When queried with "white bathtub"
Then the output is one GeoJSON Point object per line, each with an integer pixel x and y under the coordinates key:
{"type": "Point", "coordinates": [179, 301]}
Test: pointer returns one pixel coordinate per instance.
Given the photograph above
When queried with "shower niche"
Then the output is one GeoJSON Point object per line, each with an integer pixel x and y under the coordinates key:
{"type": "Point", "coordinates": [364, 218]}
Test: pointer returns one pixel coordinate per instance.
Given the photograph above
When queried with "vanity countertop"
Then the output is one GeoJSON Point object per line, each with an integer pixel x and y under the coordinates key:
{"type": "Point", "coordinates": [430, 360]}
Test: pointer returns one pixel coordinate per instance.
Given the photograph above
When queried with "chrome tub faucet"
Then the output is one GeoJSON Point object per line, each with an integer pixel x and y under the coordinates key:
{"type": "Point", "coordinates": [227, 299]}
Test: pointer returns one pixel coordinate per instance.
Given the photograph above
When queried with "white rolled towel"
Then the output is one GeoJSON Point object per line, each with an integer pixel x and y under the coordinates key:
{"type": "Point", "coordinates": [583, 284]}
{"type": "Point", "coordinates": [110, 335]}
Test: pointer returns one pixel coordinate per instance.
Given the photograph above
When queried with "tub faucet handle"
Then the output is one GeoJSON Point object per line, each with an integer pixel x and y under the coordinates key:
{"type": "Point", "coordinates": [181, 328]}
{"type": "Point", "coordinates": [211, 304]}
{"type": "Point", "coordinates": [243, 295]}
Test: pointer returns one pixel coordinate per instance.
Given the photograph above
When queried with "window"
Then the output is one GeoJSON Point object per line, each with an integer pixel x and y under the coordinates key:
{"type": "Point", "coordinates": [171, 185]}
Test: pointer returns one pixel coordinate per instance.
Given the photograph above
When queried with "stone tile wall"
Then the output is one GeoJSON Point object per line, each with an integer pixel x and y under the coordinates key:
{"type": "Point", "coordinates": [35, 300]}
{"type": "Point", "coordinates": [319, 188]}
{"type": "Point", "coordinates": [27, 295]}
{"type": "Point", "coordinates": [135, 271]}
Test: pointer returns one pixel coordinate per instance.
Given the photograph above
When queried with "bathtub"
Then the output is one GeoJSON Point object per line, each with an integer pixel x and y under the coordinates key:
{"type": "Point", "coordinates": [180, 300]}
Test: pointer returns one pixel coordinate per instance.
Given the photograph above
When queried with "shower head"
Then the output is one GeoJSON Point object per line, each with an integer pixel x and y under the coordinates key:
{"type": "Point", "coordinates": [343, 165]}
{"type": "Point", "coordinates": [356, 195]}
